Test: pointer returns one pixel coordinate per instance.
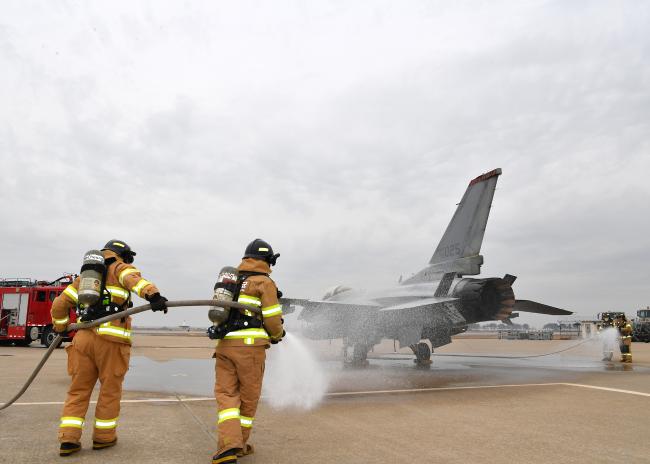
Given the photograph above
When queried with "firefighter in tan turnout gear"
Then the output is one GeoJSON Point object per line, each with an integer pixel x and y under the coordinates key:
{"type": "Point", "coordinates": [102, 352]}
{"type": "Point", "coordinates": [625, 330]}
{"type": "Point", "coordinates": [241, 349]}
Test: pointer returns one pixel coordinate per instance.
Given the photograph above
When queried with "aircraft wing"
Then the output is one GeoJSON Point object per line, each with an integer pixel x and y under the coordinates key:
{"type": "Point", "coordinates": [423, 303]}
{"type": "Point", "coordinates": [540, 308]}
{"type": "Point", "coordinates": [406, 321]}
{"type": "Point", "coordinates": [289, 304]}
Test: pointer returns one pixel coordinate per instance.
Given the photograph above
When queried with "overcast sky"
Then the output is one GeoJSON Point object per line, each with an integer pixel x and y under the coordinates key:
{"type": "Point", "coordinates": [344, 133]}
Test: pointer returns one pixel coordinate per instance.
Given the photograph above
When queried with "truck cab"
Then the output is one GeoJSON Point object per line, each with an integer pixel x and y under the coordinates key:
{"type": "Point", "coordinates": [641, 331]}
{"type": "Point", "coordinates": [25, 310]}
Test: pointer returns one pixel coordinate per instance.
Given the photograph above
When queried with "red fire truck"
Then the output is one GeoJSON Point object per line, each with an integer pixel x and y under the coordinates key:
{"type": "Point", "coordinates": [25, 310]}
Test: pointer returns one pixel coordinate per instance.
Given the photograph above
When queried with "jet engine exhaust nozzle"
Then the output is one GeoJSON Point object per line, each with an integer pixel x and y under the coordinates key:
{"type": "Point", "coordinates": [485, 299]}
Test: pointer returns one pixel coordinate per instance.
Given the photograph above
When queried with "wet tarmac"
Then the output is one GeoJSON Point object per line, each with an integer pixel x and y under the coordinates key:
{"type": "Point", "coordinates": [488, 401]}
{"type": "Point", "coordinates": [384, 371]}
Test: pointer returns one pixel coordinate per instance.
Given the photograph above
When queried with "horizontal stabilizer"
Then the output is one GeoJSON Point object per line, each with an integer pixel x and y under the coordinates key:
{"type": "Point", "coordinates": [539, 308]}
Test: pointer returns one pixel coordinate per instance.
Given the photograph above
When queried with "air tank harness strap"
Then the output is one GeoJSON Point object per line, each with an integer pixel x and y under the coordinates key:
{"type": "Point", "coordinates": [254, 321]}
{"type": "Point", "coordinates": [237, 320]}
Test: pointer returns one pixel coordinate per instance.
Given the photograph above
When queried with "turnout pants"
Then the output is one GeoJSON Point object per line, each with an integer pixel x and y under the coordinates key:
{"type": "Point", "coordinates": [92, 357]}
{"type": "Point", "coordinates": [239, 372]}
{"type": "Point", "coordinates": [626, 352]}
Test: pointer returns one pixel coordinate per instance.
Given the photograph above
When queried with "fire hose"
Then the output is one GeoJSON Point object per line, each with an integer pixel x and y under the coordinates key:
{"type": "Point", "coordinates": [122, 314]}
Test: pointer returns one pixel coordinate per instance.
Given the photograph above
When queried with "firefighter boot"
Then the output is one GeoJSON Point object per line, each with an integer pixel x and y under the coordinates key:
{"type": "Point", "coordinates": [246, 451]}
{"type": "Point", "coordinates": [227, 457]}
{"type": "Point", "coordinates": [67, 448]}
{"type": "Point", "coordinates": [97, 445]}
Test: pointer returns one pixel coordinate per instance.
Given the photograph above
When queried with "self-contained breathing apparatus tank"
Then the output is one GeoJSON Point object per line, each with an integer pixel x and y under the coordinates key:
{"type": "Point", "coordinates": [224, 290]}
{"type": "Point", "coordinates": [91, 278]}
{"type": "Point", "coordinates": [94, 300]}
{"type": "Point", "coordinates": [224, 320]}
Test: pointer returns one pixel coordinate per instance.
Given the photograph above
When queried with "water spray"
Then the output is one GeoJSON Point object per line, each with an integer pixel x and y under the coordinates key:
{"type": "Point", "coordinates": [294, 378]}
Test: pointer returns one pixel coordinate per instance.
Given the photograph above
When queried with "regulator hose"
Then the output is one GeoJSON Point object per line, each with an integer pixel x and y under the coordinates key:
{"type": "Point", "coordinates": [121, 314]}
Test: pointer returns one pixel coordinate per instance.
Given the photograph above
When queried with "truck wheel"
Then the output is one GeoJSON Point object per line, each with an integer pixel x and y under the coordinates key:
{"type": "Point", "coordinates": [33, 334]}
{"type": "Point", "coordinates": [48, 336]}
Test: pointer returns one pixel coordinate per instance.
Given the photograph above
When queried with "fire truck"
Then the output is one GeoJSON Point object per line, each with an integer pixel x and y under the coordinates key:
{"type": "Point", "coordinates": [25, 310]}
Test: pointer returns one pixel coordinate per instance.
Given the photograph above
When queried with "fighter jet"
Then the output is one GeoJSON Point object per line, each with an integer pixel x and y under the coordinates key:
{"type": "Point", "coordinates": [435, 303]}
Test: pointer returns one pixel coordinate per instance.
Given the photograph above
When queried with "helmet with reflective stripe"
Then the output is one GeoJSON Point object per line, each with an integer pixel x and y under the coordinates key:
{"type": "Point", "coordinates": [121, 249]}
{"type": "Point", "coordinates": [259, 249]}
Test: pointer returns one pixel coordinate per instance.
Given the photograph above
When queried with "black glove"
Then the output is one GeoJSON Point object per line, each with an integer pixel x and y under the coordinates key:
{"type": "Point", "coordinates": [275, 342]}
{"type": "Point", "coordinates": [158, 302]}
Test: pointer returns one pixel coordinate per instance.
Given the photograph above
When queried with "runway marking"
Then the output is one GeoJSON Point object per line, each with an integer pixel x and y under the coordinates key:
{"type": "Point", "coordinates": [174, 399]}
{"type": "Point", "coordinates": [617, 390]}
{"type": "Point", "coordinates": [165, 399]}
{"type": "Point", "coordinates": [432, 389]}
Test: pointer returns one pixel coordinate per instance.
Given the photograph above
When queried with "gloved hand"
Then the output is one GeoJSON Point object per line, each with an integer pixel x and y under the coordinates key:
{"type": "Point", "coordinates": [61, 330]}
{"type": "Point", "coordinates": [276, 341]}
{"type": "Point", "coordinates": [158, 302]}
{"type": "Point", "coordinates": [61, 325]}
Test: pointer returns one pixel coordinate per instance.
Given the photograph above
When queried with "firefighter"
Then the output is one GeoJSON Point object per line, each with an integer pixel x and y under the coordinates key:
{"type": "Point", "coordinates": [241, 354]}
{"type": "Point", "coordinates": [101, 352]}
{"type": "Point", "coordinates": [625, 330]}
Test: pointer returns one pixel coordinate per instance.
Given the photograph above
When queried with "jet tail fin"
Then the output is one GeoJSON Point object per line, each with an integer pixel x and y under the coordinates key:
{"type": "Point", "coordinates": [459, 248]}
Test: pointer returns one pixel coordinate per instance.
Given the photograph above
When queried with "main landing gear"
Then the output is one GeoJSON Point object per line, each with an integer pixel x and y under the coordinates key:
{"type": "Point", "coordinates": [422, 354]}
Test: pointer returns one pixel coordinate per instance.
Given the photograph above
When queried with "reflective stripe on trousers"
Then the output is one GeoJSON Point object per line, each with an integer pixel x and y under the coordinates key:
{"type": "Point", "coordinates": [228, 414]}
{"type": "Point", "coordinates": [68, 421]}
{"type": "Point", "coordinates": [105, 424]}
{"type": "Point", "coordinates": [246, 421]}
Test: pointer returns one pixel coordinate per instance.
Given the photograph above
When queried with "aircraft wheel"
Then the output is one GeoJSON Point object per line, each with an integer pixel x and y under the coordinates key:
{"type": "Point", "coordinates": [359, 353]}
{"type": "Point", "coordinates": [359, 356]}
{"type": "Point", "coordinates": [422, 354]}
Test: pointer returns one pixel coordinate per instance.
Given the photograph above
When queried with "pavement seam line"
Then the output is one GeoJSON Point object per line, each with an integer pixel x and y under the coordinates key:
{"type": "Point", "coordinates": [201, 424]}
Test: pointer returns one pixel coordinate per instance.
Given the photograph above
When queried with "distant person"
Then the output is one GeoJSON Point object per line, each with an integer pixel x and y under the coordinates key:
{"type": "Point", "coordinates": [241, 351]}
{"type": "Point", "coordinates": [102, 352]}
{"type": "Point", "coordinates": [625, 330]}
